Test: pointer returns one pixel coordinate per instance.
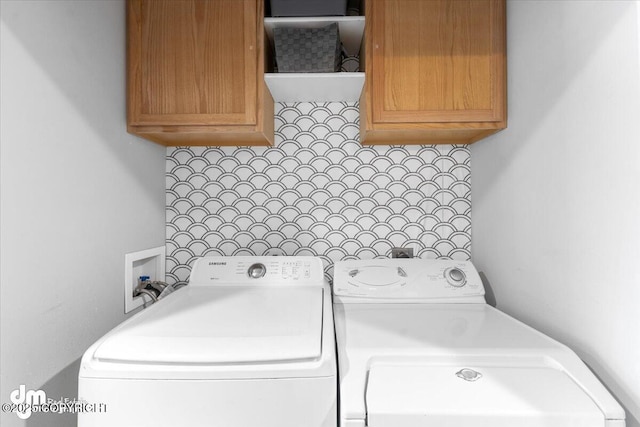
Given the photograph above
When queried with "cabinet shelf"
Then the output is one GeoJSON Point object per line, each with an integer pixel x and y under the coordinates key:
{"type": "Point", "coordinates": [315, 87]}
{"type": "Point", "coordinates": [351, 28]}
{"type": "Point", "coordinates": [318, 87]}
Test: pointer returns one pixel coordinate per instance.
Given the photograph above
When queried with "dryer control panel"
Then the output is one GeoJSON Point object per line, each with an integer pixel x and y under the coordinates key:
{"type": "Point", "coordinates": [407, 280]}
{"type": "Point", "coordinates": [260, 271]}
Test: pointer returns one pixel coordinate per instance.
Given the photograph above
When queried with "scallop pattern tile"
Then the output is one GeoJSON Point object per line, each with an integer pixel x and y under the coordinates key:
{"type": "Point", "coordinates": [316, 192]}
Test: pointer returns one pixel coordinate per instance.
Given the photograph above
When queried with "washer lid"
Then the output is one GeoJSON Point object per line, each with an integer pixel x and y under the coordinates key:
{"type": "Point", "coordinates": [222, 325]}
{"type": "Point", "coordinates": [457, 396]}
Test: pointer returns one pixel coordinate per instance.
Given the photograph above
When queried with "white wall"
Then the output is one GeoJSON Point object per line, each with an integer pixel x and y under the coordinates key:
{"type": "Point", "coordinates": [556, 197]}
{"type": "Point", "coordinates": [77, 191]}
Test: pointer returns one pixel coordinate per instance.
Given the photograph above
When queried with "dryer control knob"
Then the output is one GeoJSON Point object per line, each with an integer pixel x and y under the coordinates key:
{"type": "Point", "coordinates": [256, 271]}
{"type": "Point", "coordinates": [455, 277]}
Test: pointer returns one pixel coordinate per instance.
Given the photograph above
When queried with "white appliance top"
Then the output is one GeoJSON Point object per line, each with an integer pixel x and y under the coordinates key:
{"type": "Point", "coordinates": [400, 349]}
{"type": "Point", "coordinates": [496, 396]}
{"type": "Point", "coordinates": [409, 280]}
{"type": "Point", "coordinates": [226, 316]}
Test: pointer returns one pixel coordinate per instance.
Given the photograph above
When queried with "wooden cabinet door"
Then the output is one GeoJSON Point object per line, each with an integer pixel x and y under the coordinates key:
{"type": "Point", "coordinates": [437, 61]}
{"type": "Point", "coordinates": [192, 62]}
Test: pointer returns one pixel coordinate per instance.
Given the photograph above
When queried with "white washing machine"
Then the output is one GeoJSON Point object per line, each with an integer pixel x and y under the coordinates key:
{"type": "Point", "coordinates": [418, 346]}
{"type": "Point", "coordinates": [250, 342]}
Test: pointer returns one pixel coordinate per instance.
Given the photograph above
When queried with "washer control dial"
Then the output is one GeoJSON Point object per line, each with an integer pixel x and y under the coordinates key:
{"type": "Point", "coordinates": [256, 270]}
{"type": "Point", "coordinates": [455, 277]}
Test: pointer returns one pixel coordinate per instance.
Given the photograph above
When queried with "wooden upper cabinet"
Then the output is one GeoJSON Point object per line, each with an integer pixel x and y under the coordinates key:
{"type": "Point", "coordinates": [196, 72]}
{"type": "Point", "coordinates": [435, 71]}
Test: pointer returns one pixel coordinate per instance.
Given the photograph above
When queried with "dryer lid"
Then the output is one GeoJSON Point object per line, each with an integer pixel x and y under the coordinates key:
{"type": "Point", "coordinates": [222, 325]}
{"type": "Point", "coordinates": [403, 396]}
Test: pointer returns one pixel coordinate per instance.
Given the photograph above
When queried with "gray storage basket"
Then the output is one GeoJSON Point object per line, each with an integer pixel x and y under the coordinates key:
{"type": "Point", "coordinates": [308, 50]}
{"type": "Point", "coordinates": [308, 7]}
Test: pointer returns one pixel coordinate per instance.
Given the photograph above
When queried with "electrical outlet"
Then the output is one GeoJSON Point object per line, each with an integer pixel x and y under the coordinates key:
{"type": "Point", "coordinates": [150, 262]}
{"type": "Point", "coordinates": [402, 253]}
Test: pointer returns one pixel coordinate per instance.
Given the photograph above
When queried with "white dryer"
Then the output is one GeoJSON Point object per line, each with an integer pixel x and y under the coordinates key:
{"type": "Point", "coordinates": [250, 342]}
{"type": "Point", "coordinates": [418, 346]}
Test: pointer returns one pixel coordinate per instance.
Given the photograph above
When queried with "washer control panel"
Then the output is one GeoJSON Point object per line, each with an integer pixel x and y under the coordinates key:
{"type": "Point", "coordinates": [407, 280]}
{"type": "Point", "coordinates": [268, 270]}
